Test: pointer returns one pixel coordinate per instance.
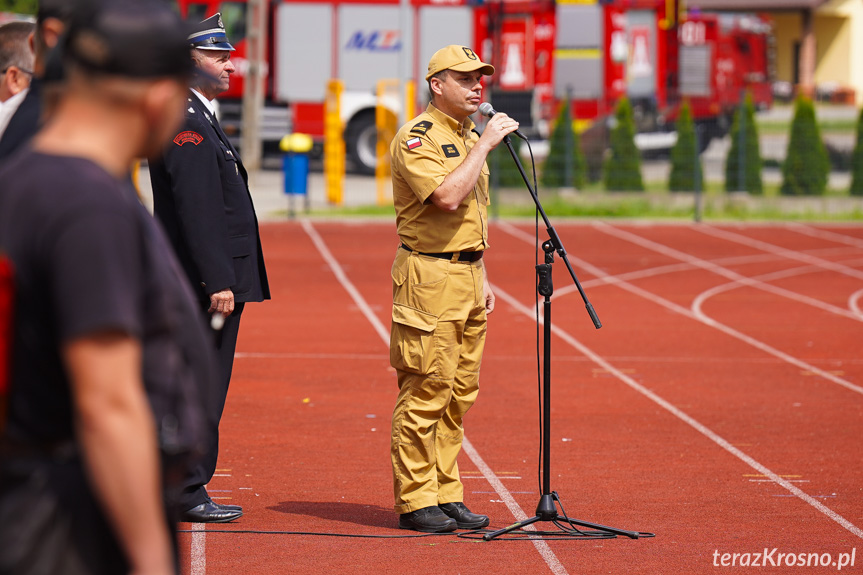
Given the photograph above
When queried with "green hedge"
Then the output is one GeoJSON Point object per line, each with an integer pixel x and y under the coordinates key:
{"type": "Point", "coordinates": [806, 165]}
{"type": "Point", "coordinates": [744, 129]}
{"type": "Point", "coordinates": [857, 161]}
{"type": "Point", "coordinates": [687, 174]}
{"type": "Point", "coordinates": [622, 168]}
{"type": "Point", "coordinates": [565, 165]}
{"type": "Point", "coordinates": [504, 172]}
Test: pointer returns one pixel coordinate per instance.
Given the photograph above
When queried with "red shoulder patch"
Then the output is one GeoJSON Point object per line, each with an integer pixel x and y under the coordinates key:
{"type": "Point", "coordinates": [189, 136]}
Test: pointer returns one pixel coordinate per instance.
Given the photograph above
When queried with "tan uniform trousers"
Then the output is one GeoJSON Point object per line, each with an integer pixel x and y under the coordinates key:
{"type": "Point", "coordinates": [436, 343]}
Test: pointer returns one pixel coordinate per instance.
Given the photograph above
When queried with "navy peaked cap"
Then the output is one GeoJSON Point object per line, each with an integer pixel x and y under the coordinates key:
{"type": "Point", "coordinates": [210, 34]}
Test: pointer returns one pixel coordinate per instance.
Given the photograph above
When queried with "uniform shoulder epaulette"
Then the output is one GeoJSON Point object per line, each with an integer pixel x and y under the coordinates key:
{"type": "Point", "coordinates": [421, 127]}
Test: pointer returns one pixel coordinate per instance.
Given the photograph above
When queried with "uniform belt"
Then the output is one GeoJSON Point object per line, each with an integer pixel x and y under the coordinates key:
{"type": "Point", "coordinates": [462, 256]}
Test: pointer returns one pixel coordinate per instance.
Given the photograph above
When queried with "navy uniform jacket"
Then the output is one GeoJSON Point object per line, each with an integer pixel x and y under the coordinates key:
{"type": "Point", "coordinates": [201, 195]}
{"type": "Point", "coordinates": [24, 123]}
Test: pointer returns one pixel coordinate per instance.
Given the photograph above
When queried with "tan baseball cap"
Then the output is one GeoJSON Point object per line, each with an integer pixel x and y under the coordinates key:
{"type": "Point", "coordinates": [458, 58]}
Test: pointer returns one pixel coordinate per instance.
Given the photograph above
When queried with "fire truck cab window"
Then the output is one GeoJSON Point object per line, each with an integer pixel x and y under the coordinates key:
{"type": "Point", "coordinates": [234, 18]}
{"type": "Point", "coordinates": [196, 12]}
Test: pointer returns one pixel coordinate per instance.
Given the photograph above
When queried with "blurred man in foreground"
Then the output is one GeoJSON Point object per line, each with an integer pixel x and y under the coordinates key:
{"type": "Point", "coordinates": [50, 22]}
{"type": "Point", "coordinates": [16, 67]}
{"type": "Point", "coordinates": [107, 343]}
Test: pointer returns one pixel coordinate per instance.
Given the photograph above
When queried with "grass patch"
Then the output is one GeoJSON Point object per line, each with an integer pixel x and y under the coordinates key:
{"type": "Point", "coordinates": [657, 203]}
{"type": "Point", "coordinates": [831, 126]}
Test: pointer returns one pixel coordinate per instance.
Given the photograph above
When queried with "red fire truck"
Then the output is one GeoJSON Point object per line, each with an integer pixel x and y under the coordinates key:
{"type": "Point", "coordinates": [544, 51]}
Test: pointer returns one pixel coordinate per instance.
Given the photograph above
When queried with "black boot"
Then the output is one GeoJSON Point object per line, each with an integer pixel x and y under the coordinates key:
{"type": "Point", "coordinates": [463, 516]}
{"type": "Point", "coordinates": [428, 520]}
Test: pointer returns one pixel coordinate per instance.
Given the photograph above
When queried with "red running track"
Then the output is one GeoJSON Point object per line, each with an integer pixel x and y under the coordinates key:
{"type": "Point", "coordinates": [719, 406]}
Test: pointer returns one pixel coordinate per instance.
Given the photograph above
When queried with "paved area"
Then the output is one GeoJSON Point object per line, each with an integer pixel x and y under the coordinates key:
{"type": "Point", "coordinates": [272, 204]}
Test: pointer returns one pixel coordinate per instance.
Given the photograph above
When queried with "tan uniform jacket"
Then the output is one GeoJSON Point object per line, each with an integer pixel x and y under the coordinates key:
{"type": "Point", "coordinates": [424, 152]}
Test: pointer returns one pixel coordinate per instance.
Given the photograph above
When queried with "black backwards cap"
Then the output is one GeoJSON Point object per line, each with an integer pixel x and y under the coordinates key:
{"type": "Point", "coordinates": [210, 34]}
{"type": "Point", "coordinates": [61, 9]}
{"type": "Point", "coordinates": [130, 38]}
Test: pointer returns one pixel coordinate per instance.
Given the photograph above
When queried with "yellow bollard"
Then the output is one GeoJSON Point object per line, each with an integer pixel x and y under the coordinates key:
{"type": "Point", "coordinates": [386, 126]}
{"type": "Point", "coordinates": [334, 144]}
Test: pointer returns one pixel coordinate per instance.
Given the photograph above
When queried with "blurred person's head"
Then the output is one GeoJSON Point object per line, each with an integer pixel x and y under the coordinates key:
{"type": "Point", "coordinates": [127, 66]}
{"type": "Point", "coordinates": [16, 58]}
{"type": "Point", "coordinates": [51, 18]}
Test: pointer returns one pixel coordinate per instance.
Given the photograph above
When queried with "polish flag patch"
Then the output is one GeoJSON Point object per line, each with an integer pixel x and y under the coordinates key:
{"type": "Point", "coordinates": [414, 143]}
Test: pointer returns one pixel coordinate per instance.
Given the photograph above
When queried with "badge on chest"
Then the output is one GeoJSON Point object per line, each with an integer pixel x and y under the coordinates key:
{"type": "Point", "coordinates": [450, 151]}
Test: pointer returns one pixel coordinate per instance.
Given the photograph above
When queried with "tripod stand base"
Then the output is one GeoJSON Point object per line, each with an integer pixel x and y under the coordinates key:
{"type": "Point", "coordinates": [546, 511]}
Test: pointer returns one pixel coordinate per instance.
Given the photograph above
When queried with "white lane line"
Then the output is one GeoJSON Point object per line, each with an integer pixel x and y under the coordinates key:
{"type": "Point", "coordinates": [255, 355]}
{"type": "Point", "coordinates": [854, 302]}
{"type": "Point", "coordinates": [734, 276]}
{"type": "Point", "coordinates": [383, 332]}
{"type": "Point", "coordinates": [198, 551]}
{"type": "Point", "coordinates": [704, 430]}
{"type": "Point", "coordinates": [825, 234]}
{"type": "Point", "coordinates": [699, 316]}
{"type": "Point", "coordinates": [778, 250]}
{"type": "Point", "coordinates": [787, 273]}
{"type": "Point", "coordinates": [541, 546]}
{"type": "Point", "coordinates": [673, 268]}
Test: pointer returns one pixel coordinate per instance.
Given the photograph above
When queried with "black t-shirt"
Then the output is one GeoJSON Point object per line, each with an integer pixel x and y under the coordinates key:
{"type": "Point", "coordinates": [87, 258]}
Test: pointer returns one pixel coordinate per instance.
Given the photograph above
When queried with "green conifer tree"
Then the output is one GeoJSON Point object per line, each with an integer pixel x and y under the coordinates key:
{"type": "Point", "coordinates": [504, 172]}
{"type": "Point", "coordinates": [751, 154]}
{"type": "Point", "coordinates": [686, 172]}
{"type": "Point", "coordinates": [564, 147]}
{"type": "Point", "coordinates": [807, 164]}
{"type": "Point", "coordinates": [857, 161]}
{"type": "Point", "coordinates": [622, 169]}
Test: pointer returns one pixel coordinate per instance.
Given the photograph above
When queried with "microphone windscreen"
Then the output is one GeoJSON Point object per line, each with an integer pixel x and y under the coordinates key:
{"type": "Point", "coordinates": [486, 110]}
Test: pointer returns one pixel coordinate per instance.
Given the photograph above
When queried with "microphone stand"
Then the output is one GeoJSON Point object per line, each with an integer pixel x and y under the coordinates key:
{"type": "Point", "coordinates": [546, 509]}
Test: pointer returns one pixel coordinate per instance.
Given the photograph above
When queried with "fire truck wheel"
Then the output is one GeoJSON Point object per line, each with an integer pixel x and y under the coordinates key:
{"type": "Point", "coordinates": [361, 143]}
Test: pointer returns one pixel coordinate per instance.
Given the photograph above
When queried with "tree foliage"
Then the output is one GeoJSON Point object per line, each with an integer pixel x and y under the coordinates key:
{"type": "Point", "coordinates": [744, 129]}
{"type": "Point", "coordinates": [857, 161]}
{"type": "Point", "coordinates": [807, 164]}
{"type": "Point", "coordinates": [19, 6]}
{"type": "Point", "coordinates": [504, 172]}
{"type": "Point", "coordinates": [565, 165]}
{"type": "Point", "coordinates": [686, 172]}
{"type": "Point", "coordinates": [622, 169]}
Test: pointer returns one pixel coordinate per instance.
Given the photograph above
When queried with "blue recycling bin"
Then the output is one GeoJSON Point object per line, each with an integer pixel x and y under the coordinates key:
{"type": "Point", "coordinates": [295, 167]}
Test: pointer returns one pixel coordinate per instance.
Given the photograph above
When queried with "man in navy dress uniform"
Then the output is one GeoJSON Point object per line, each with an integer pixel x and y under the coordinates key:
{"type": "Point", "coordinates": [201, 196]}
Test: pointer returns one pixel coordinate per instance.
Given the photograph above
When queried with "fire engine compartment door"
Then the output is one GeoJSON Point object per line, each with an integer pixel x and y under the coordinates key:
{"type": "Point", "coordinates": [370, 45]}
{"type": "Point", "coordinates": [578, 51]}
{"type": "Point", "coordinates": [695, 70]}
{"type": "Point", "coordinates": [641, 64]}
{"type": "Point", "coordinates": [303, 51]}
{"type": "Point", "coordinates": [441, 26]}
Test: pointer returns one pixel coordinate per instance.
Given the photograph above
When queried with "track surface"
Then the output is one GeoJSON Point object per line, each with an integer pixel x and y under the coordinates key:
{"type": "Point", "coordinates": [720, 406]}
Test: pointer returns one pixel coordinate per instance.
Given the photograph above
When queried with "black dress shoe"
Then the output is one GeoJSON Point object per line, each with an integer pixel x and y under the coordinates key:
{"type": "Point", "coordinates": [428, 520]}
{"type": "Point", "coordinates": [463, 516]}
{"type": "Point", "coordinates": [209, 512]}
{"type": "Point", "coordinates": [226, 506]}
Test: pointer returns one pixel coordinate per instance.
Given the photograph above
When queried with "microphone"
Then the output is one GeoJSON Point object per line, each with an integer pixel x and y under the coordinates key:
{"type": "Point", "coordinates": [486, 110]}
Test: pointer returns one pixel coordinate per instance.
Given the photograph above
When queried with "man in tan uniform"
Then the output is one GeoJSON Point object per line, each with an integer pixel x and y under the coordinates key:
{"type": "Point", "coordinates": [441, 293]}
